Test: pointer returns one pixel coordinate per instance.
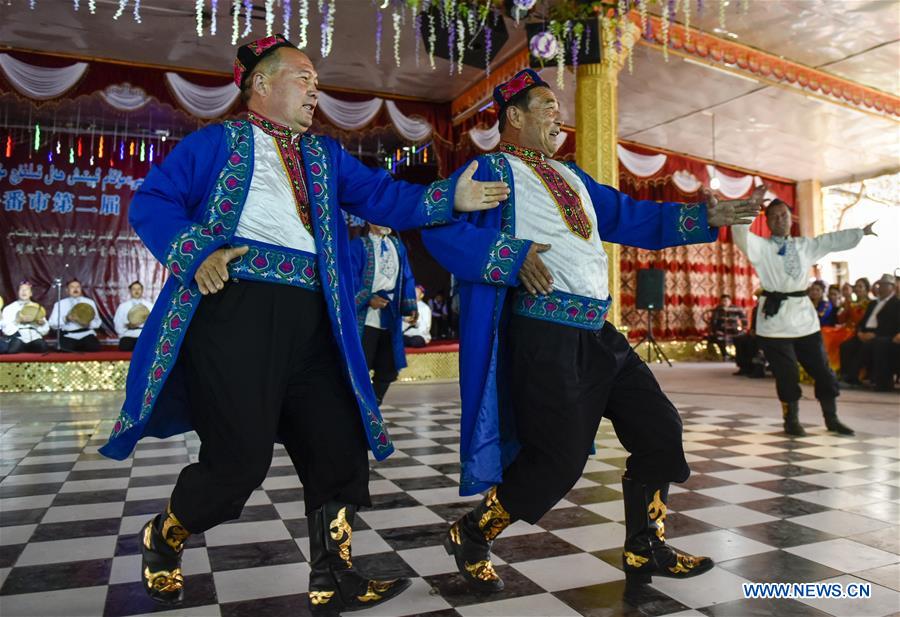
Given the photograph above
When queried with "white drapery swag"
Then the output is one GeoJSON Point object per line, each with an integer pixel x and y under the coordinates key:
{"type": "Point", "coordinates": [39, 82]}
{"type": "Point", "coordinates": [731, 187]}
{"type": "Point", "coordinates": [411, 129]}
{"type": "Point", "coordinates": [686, 182]}
{"type": "Point", "coordinates": [202, 101]}
{"type": "Point", "coordinates": [124, 97]}
{"type": "Point", "coordinates": [641, 165]}
{"type": "Point", "coordinates": [487, 139]}
{"type": "Point", "coordinates": [349, 115]}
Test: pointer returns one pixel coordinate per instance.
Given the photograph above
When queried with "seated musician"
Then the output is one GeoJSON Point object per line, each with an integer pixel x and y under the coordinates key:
{"type": "Point", "coordinates": [24, 324]}
{"type": "Point", "coordinates": [131, 315]}
{"type": "Point", "coordinates": [77, 317]}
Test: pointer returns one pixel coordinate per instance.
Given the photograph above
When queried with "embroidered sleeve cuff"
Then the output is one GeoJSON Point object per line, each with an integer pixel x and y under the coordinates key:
{"type": "Point", "coordinates": [504, 260]}
{"type": "Point", "coordinates": [191, 248]}
{"type": "Point", "coordinates": [408, 306]}
{"type": "Point", "coordinates": [692, 227]}
{"type": "Point", "coordinates": [438, 202]}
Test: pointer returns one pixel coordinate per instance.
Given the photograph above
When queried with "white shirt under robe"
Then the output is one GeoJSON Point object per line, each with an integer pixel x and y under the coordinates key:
{"type": "Point", "coordinates": [578, 266]}
{"type": "Point", "coordinates": [387, 269]}
{"type": "Point", "coordinates": [797, 316]}
{"type": "Point", "coordinates": [270, 212]}
{"type": "Point", "coordinates": [27, 332]}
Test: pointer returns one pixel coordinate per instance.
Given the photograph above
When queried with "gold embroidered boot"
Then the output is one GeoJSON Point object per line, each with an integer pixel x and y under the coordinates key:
{"type": "Point", "coordinates": [470, 538]}
{"type": "Point", "coordinates": [162, 545]}
{"type": "Point", "coordinates": [334, 585]}
{"type": "Point", "coordinates": [646, 553]}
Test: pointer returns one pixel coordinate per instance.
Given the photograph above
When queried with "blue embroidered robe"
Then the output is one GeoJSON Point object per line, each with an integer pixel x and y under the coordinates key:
{"type": "Point", "coordinates": [190, 205]}
{"type": "Point", "coordinates": [362, 256]}
{"type": "Point", "coordinates": [481, 250]}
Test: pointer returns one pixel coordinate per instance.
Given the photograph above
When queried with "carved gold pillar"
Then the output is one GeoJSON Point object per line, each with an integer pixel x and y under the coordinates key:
{"type": "Point", "coordinates": [596, 131]}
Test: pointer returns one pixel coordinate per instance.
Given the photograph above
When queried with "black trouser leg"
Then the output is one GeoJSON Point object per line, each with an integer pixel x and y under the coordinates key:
{"type": "Point", "coordinates": [851, 352]}
{"type": "Point", "coordinates": [87, 343]}
{"type": "Point", "coordinates": [12, 344]}
{"type": "Point", "coordinates": [379, 349]}
{"type": "Point", "coordinates": [783, 361]}
{"type": "Point", "coordinates": [127, 343]}
{"type": "Point", "coordinates": [564, 379]}
{"type": "Point", "coordinates": [881, 362]}
{"type": "Point", "coordinates": [811, 354]}
{"type": "Point", "coordinates": [36, 346]}
{"type": "Point", "coordinates": [242, 354]}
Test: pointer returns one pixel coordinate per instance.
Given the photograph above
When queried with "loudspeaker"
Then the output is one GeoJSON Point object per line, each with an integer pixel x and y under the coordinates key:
{"type": "Point", "coordinates": [650, 289]}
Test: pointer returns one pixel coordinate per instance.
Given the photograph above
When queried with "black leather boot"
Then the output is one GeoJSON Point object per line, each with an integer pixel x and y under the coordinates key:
{"type": "Point", "coordinates": [334, 585]}
{"type": "Point", "coordinates": [829, 411]}
{"type": "Point", "coordinates": [470, 538]}
{"type": "Point", "coordinates": [646, 553]}
{"type": "Point", "coordinates": [162, 545]}
{"type": "Point", "coordinates": [791, 414]}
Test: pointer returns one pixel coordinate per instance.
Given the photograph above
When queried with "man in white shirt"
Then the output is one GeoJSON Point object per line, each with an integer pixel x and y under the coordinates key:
{"type": "Point", "coordinates": [877, 341]}
{"type": "Point", "coordinates": [386, 295]}
{"type": "Point", "coordinates": [22, 331]}
{"type": "Point", "coordinates": [787, 325]}
{"type": "Point", "coordinates": [418, 330]}
{"type": "Point", "coordinates": [129, 332]}
{"type": "Point", "coordinates": [76, 336]}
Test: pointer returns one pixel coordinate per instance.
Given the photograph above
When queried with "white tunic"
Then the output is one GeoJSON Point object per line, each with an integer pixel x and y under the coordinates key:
{"type": "Point", "coordinates": [387, 269]}
{"type": "Point", "coordinates": [270, 212]}
{"type": "Point", "coordinates": [578, 266]}
{"type": "Point", "coordinates": [27, 332]}
{"type": "Point", "coordinates": [121, 318]}
{"type": "Point", "coordinates": [797, 316]}
{"type": "Point", "coordinates": [62, 308]}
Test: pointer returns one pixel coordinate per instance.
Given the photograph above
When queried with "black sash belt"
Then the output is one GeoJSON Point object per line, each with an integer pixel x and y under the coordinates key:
{"type": "Point", "coordinates": [773, 301]}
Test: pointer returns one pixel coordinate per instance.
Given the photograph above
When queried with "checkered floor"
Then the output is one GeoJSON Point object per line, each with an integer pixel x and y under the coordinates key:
{"type": "Point", "coordinates": [821, 508]}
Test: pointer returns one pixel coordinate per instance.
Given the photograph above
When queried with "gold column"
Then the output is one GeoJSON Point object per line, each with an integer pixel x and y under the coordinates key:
{"type": "Point", "coordinates": [810, 208]}
{"type": "Point", "coordinates": [596, 131]}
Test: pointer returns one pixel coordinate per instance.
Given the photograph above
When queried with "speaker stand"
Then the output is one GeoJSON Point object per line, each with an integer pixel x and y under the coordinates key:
{"type": "Point", "coordinates": [651, 342]}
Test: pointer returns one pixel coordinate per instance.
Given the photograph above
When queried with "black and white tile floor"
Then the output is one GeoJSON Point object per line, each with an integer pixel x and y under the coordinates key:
{"type": "Point", "coordinates": [767, 508]}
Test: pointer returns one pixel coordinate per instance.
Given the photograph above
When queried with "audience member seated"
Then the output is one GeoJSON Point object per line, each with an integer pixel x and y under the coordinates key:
{"type": "Point", "coordinates": [440, 316]}
{"type": "Point", "coordinates": [417, 333]}
{"type": "Point", "coordinates": [726, 322]}
{"type": "Point", "coordinates": [131, 315]}
{"type": "Point", "coordinates": [748, 357]}
{"type": "Point", "coordinates": [24, 324]}
{"type": "Point", "coordinates": [877, 342]}
{"type": "Point", "coordinates": [824, 308]}
{"type": "Point", "coordinates": [77, 317]}
{"type": "Point", "coordinates": [854, 311]}
{"type": "Point", "coordinates": [837, 301]}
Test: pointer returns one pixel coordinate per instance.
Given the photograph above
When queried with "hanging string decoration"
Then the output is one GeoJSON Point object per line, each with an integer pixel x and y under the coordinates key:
{"type": "Point", "coordinates": [304, 24]}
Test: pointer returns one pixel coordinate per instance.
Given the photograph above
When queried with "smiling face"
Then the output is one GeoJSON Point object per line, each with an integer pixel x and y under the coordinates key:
{"type": "Point", "coordinates": [538, 126]}
{"type": "Point", "coordinates": [861, 289]}
{"type": "Point", "coordinates": [74, 289]}
{"type": "Point", "coordinates": [286, 89]}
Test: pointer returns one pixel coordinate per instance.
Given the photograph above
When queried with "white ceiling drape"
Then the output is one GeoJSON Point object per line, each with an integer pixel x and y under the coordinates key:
{"type": "Point", "coordinates": [39, 82]}
{"type": "Point", "coordinates": [124, 97]}
{"type": "Point", "coordinates": [202, 101]}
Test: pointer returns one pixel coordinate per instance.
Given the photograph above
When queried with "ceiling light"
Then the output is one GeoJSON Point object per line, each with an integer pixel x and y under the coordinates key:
{"type": "Point", "coordinates": [714, 183]}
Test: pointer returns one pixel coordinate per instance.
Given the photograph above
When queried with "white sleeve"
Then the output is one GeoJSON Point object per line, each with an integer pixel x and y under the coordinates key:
{"type": "Point", "coordinates": [425, 322]}
{"type": "Point", "coordinates": [56, 319]}
{"type": "Point", "coordinates": [96, 322]}
{"type": "Point", "coordinates": [745, 240]}
{"type": "Point", "coordinates": [120, 319]}
{"type": "Point", "coordinates": [44, 329]}
{"type": "Point", "coordinates": [842, 240]}
{"type": "Point", "coordinates": [7, 321]}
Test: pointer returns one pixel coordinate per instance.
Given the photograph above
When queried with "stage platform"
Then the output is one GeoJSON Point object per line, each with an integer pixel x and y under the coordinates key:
{"type": "Point", "coordinates": [107, 370]}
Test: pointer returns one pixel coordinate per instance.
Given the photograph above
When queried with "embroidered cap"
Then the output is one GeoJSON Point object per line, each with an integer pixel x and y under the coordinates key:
{"type": "Point", "coordinates": [249, 55]}
{"type": "Point", "coordinates": [526, 79]}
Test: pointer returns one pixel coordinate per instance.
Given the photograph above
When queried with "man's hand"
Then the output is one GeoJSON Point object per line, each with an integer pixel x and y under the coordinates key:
{"type": "Point", "coordinates": [472, 195]}
{"type": "Point", "coordinates": [534, 274]}
{"type": "Point", "coordinates": [413, 318]}
{"type": "Point", "coordinates": [868, 231]}
{"type": "Point", "coordinates": [866, 336]}
{"type": "Point", "coordinates": [377, 302]}
{"type": "Point", "coordinates": [212, 274]}
{"type": "Point", "coordinates": [896, 338]}
{"type": "Point", "coordinates": [733, 211]}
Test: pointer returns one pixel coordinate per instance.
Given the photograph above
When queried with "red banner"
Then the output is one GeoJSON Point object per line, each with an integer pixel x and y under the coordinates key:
{"type": "Point", "coordinates": [62, 217]}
